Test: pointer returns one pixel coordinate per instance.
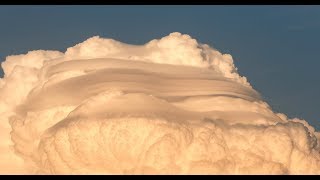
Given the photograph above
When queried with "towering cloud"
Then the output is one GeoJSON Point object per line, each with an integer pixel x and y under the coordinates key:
{"type": "Point", "coordinates": [171, 106]}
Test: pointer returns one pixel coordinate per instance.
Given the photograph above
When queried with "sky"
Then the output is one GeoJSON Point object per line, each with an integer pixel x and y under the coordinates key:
{"type": "Point", "coordinates": [275, 47]}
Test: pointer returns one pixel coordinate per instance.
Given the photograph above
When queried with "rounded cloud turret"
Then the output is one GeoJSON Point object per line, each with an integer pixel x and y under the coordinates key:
{"type": "Point", "coordinates": [170, 106]}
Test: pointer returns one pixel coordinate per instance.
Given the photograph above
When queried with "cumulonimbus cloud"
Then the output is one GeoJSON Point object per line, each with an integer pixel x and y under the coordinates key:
{"type": "Point", "coordinates": [170, 106]}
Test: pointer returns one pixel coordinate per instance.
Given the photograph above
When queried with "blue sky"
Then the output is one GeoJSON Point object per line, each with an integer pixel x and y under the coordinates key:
{"type": "Point", "coordinates": [275, 47]}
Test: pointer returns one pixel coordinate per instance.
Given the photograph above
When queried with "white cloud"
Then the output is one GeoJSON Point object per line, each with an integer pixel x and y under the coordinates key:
{"type": "Point", "coordinates": [171, 106]}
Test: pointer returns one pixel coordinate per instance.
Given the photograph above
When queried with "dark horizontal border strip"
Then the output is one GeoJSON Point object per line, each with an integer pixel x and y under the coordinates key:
{"type": "Point", "coordinates": [159, 2]}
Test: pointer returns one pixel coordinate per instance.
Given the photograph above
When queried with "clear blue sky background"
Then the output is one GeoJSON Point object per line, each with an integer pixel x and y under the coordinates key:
{"type": "Point", "coordinates": [275, 47]}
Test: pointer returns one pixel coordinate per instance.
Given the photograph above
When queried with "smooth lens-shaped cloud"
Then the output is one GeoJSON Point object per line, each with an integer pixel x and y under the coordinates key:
{"type": "Point", "coordinates": [171, 106]}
